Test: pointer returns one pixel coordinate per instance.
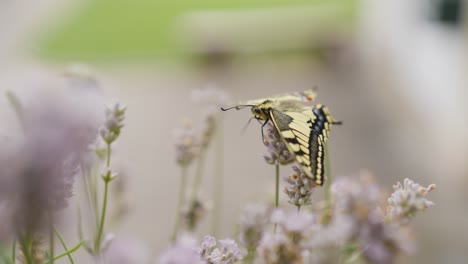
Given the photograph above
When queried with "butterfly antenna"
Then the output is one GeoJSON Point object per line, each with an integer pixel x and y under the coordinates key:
{"type": "Point", "coordinates": [237, 107]}
{"type": "Point", "coordinates": [337, 123]}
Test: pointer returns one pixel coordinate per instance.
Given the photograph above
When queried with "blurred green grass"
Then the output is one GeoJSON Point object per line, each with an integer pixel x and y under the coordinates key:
{"type": "Point", "coordinates": [142, 29]}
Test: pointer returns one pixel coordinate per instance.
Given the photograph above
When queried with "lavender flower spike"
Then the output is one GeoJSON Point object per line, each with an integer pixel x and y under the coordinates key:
{"type": "Point", "coordinates": [113, 123]}
{"type": "Point", "coordinates": [193, 213]}
{"type": "Point", "coordinates": [277, 152]}
{"type": "Point", "coordinates": [408, 199]}
{"type": "Point", "coordinates": [211, 97]}
{"type": "Point", "coordinates": [289, 242]}
{"type": "Point", "coordinates": [57, 132]}
{"type": "Point", "coordinates": [183, 252]}
{"type": "Point", "coordinates": [126, 250]}
{"type": "Point", "coordinates": [186, 144]}
{"type": "Point", "coordinates": [253, 222]}
{"type": "Point", "coordinates": [227, 253]}
{"type": "Point", "coordinates": [300, 188]}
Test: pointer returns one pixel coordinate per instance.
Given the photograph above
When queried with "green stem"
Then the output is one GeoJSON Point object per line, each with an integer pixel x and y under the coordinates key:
{"type": "Point", "coordinates": [75, 248]}
{"type": "Point", "coordinates": [250, 258]}
{"type": "Point", "coordinates": [25, 242]}
{"type": "Point", "coordinates": [218, 180]}
{"type": "Point", "coordinates": [90, 185]}
{"type": "Point", "coordinates": [198, 175]}
{"type": "Point", "coordinates": [328, 180]}
{"type": "Point", "coordinates": [4, 257]}
{"type": "Point", "coordinates": [51, 238]}
{"type": "Point", "coordinates": [26, 251]}
{"type": "Point", "coordinates": [13, 252]}
{"type": "Point", "coordinates": [64, 246]}
{"type": "Point", "coordinates": [276, 191]}
{"type": "Point", "coordinates": [182, 190]}
{"type": "Point", "coordinates": [94, 177]}
{"type": "Point", "coordinates": [277, 186]}
{"type": "Point", "coordinates": [108, 155]}
{"type": "Point", "coordinates": [17, 107]}
{"type": "Point", "coordinates": [97, 245]}
{"type": "Point", "coordinates": [80, 229]}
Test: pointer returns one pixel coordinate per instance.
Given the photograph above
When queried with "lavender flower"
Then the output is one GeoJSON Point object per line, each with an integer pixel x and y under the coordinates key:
{"type": "Point", "coordinates": [113, 123]}
{"type": "Point", "coordinates": [227, 253]}
{"type": "Point", "coordinates": [407, 200]}
{"type": "Point", "coordinates": [184, 251]}
{"type": "Point", "coordinates": [289, 243]}
{"type": "Point", "coordinates": [43, 166]}
{"type": "Point", "coordinates": [186, 145]}
{"type": "Point", "coordinates": [356, 197]}
{"type": "Point", "coordinates": [300, 189]}
{"type": "Point", "coordinates": [327, 239]}
{"type": "Point", "coordinates": [125, 250]}
{"type": "Point", "coordinates": [207, 246]}
{"type": "Point", "coordinates": [296, 225]}
{"type": "Point", "coordinates": [379, 242]}
{"type": "Point", "coordinates": [277, 152]}
{"type": "Point", "coordinates": [207, 131]}
{"type": "Point", "coordinates": [193, 213]}
{"type": "Point", "coordinates": [356, 203]}
{"type": "Point", "coordinates": [277, 249]}
{"type": "Point", "coordinates": [211, 97]}
{"type": "Point", "coordinates": [253, 221]}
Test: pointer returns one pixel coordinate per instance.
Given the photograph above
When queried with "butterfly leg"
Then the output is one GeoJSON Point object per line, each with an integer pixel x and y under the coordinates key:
{"type": "Point", "coordinates": [263, 125]}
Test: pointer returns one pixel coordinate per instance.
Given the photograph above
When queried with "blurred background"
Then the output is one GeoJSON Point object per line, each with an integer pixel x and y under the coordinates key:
{"type": "Point", "coordinates": [393, 71]}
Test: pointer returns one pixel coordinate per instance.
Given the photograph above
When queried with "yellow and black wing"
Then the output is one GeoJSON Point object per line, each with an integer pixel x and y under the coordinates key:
{"type": "Point", "coordinates": [305, 132]}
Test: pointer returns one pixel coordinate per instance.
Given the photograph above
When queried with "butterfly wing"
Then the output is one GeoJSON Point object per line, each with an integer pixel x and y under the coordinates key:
{"type": "Point", "coordinates": [304, 96]}
{"type": "Point", "coordinates": [305, 132]}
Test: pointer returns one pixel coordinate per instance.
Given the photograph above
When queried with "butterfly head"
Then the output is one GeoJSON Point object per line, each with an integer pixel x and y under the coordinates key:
{"type": "Point", "coordinates": [260, 112]}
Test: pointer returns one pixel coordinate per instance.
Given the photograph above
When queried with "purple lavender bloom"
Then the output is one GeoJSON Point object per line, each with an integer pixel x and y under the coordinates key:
{"type": "Point", "coordinates": [407, 200]}
{"type": "Point", "coordinates": [226, 253]}
{"type": "Point", "coordinates": [277, 152]}
{"type": "Point", "coordinates": [300, 188]}
{"type": "Point", "coordinates": [113, 123]}
{"type": "Point", "coordinates": [252, 225]}
{"type": "Point", "coordinates": [126, 250]}
{"type": "Point", "coordinates": [184, 251]}
{"type": "Point", "coordinates": [186, 144]}
{"type": "Point", "coordinates": [356, 214]}
{"type": "Point", "coordinates": [288, 243]}
{"type": "Point", "coordinates": [43, 164]}
{"type": "Point", "coordinates": [211, 98]}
